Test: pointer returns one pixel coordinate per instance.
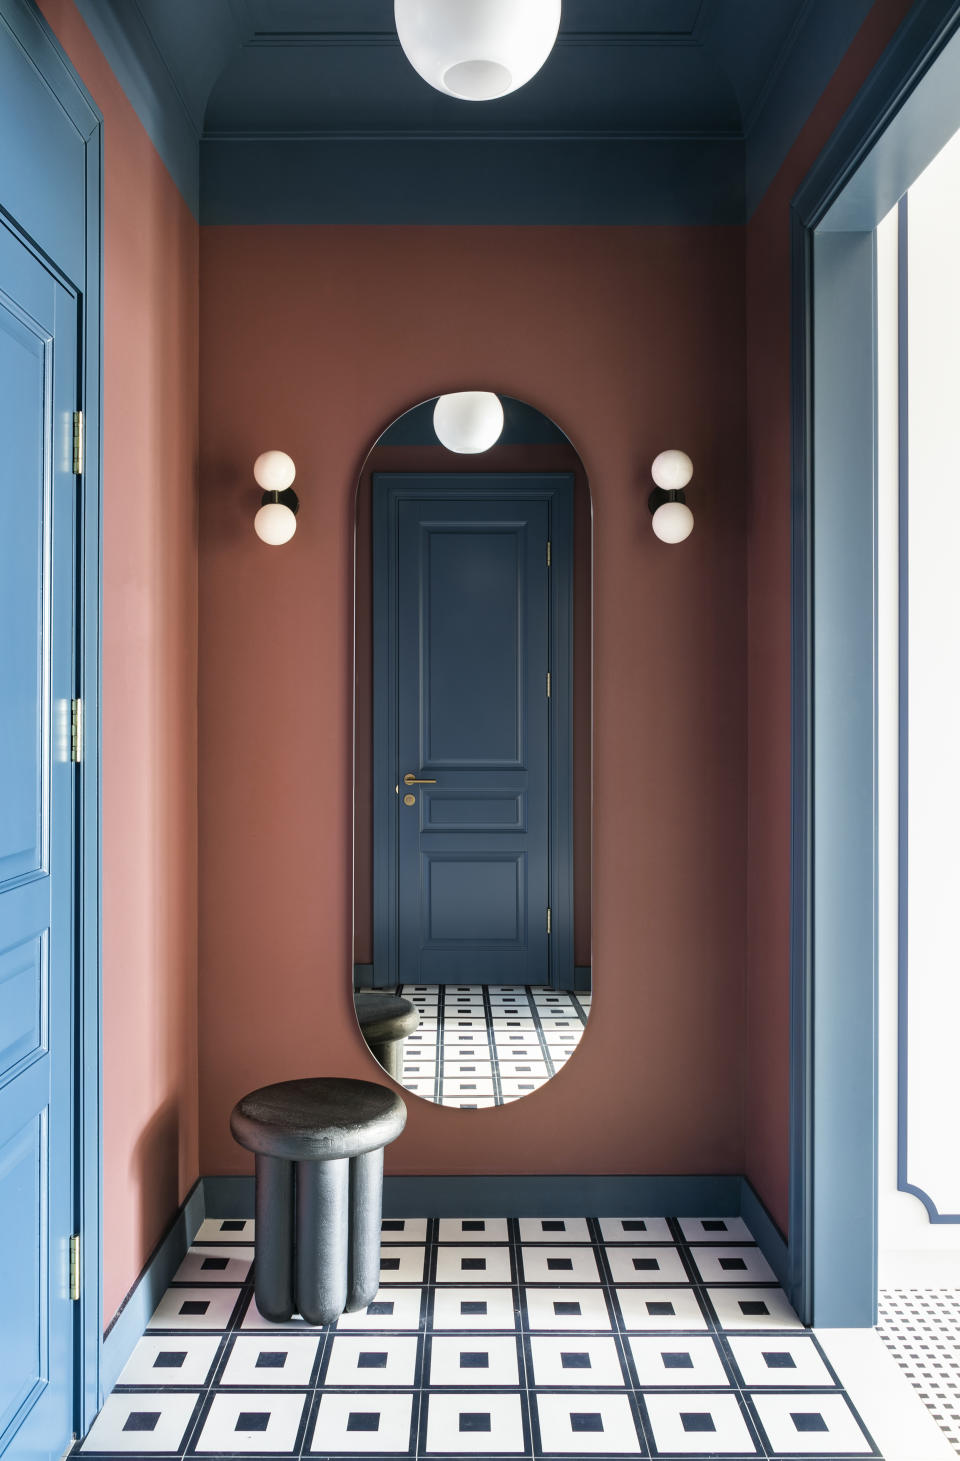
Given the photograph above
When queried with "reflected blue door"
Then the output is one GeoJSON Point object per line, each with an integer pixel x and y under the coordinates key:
{"type": "Point", "coordinates": [473, 644]}
{"type": "Point", "coordinates": [38, 394]}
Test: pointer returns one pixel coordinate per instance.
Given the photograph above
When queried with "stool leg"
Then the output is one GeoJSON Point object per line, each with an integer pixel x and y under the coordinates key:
{"type": "Point", "coordinates": [366, 1207]}
{"type": "Point", "coordinates": [274, 1238]}
{"type": "Point", "coordinates": [388, 1053]}
{"type": "Point", "coordinates": [322, 1216]}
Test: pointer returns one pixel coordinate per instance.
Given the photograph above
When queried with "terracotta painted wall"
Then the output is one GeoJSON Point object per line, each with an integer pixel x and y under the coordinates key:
{"type": "Point", "coordinates": [767, 1071]}
{"type": "Point", "coordinates": [149, 680]}
{"type": "Point", "coordinates": [312, 340]}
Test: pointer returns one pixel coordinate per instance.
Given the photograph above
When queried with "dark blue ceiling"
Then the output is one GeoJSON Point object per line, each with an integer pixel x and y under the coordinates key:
{"type": "Point", "coordinates": [307, 110]}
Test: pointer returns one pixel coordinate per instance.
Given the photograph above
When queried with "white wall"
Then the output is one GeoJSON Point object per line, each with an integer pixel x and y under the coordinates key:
{"type": "Point", "coordinates": [912, 1249]}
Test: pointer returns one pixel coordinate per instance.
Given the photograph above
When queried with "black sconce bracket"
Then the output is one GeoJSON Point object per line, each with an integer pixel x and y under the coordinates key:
{"type": "Point", "coordinates": [659, 496]}
{"type": "Point", "coordinates": [288, 498]}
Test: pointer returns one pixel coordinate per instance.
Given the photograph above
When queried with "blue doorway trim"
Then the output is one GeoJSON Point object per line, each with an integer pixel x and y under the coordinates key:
{"type": "Point", "coordinates": [891, 131]}
{"type": "Point", "coordinates": [389, 488]}
{"type": "Point", "coordinates": [52, 185]}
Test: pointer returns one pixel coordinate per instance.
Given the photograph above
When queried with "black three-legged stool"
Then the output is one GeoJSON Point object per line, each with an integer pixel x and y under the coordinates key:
{"type": "Point", "coordinates": [319, 1191]}
{"type": "Point", "coordinates": [385, 1021]}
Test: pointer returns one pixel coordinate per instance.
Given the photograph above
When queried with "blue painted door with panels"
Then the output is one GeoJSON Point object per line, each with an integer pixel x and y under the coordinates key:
{"type": "Point", "coordinates": [466, 573]}
{"type": "Point", "coordinates": [38, 551]}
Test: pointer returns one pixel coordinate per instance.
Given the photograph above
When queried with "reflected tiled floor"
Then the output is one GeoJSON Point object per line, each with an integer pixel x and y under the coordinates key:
{"type": "Point", "coordinates": [486, 1045]}
{"type": "Point", "coordinates": [921, 1329]}
{"type": "Point", "coordinates": [524, 1338]}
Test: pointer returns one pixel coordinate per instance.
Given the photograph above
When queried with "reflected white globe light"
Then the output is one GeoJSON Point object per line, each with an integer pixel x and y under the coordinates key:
{"type": "Point", "coordinates": [477, 50]}
{"type": "Point", "coordinates": [468, 421]}
{"type": "Point", "coordinates": [672, 522]}
{"type": "Point", "coordinates": [274, 471]}
{"type": "Point", "coordinates": [672, 471]}
{"type": "Point", "coordinates": [275, 523]}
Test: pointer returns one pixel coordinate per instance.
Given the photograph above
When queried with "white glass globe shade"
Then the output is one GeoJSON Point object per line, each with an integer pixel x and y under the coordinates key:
{"type": "Point", "coordinates": [672, 522]}
{"type": "Point", "coordinates": [672, 471]}
{"type": "Point", "coordinates": [477, 50]}
{"type": "Point", "coordinates": [275, 523]}
{"type": "Point", "coordinates": [274, 471]}
{"type": "Point", "coordinates": [468, 421]}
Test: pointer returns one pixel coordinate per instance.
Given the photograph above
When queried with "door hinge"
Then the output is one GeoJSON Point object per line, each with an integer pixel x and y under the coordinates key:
{"type": "Point", "coordinates": [75, 1266]}
{"type": "Point", "coordinates": [548, 920]}
{"type": "Point", "coordinates": [78, 443]}
{"type": "Point", "coordinates": [76, 730]}
{"type": "Point", "coordinates": [548, 684]}
{"type": "Point", "coordinates": [548, 553]}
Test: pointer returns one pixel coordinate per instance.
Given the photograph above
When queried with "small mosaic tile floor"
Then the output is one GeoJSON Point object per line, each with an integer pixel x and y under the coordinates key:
{"type": "Point", "coordinates": [485, 1045]}
{"type": "Point", "coordinates": [921, 1329]}
{"type": "Point", "coordinates": [523, 1338]}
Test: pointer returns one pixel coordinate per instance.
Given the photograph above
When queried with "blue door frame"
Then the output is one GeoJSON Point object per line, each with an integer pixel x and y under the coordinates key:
{"type": "Point", "coordinates": [900, 119]}
{"type": "Point", "coordinates": [390, 490]}
{"type": "Point", "coordinates": [51, 190]}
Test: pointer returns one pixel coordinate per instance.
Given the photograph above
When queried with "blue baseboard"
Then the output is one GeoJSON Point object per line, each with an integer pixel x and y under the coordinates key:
{"type": "Point", "coordinates": [131, 1318]}
{"type": "Point", "coordinates": [723, 1195]}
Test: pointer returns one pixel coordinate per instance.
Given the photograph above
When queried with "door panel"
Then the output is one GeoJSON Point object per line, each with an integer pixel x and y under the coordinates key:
{"type": "Point", "coordinates": [473, 645]}
{"type": "Point", "coordinates": [38, 394]}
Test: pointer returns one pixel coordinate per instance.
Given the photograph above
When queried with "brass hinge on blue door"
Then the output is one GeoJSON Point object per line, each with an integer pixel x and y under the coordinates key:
{"type": "Point", "coordinates": [548, 920]}
{"type": "Point", "coordinates": [548, 553]}
{"type": "Point", "coordinates": [76, 730]}
{"type": "Point", "coordinates": [75, 1267]}
{"type": "Point", "coordinates": [78, 443]}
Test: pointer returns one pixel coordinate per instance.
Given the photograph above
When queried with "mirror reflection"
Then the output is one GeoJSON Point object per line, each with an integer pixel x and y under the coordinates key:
{"type": "Point", "coordinates": [472, 970]}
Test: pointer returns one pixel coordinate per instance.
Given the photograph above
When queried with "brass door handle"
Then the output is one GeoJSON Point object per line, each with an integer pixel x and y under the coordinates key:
{"type": "Point", "coordinates": [411, 780]}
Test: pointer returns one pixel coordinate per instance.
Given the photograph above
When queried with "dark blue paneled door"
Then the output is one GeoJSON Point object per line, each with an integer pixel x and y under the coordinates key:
{"type": "Point", "coordinates": [473, 637]}
{"type": "Point", "coordinates": [38, 493]}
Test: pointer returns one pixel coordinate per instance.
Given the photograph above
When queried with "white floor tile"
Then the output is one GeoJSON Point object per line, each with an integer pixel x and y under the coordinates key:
{"type": "Point", "coordinates": [554, 1230]}
{"type": "Point", "coordinates": [472, 1265]}
{"type": "Point", "coordinates": [281, 1360]}
{"type": "Point", "coordinates": [660, 1309]}
{"type": "Point", "coordinates": [195, 1308]}
{"type": "Point", "coordinates": [567, 1309]}
{"type": "Point", "coordinates": [732, 1265]}
{"type": "Point", "coordinates": [474, 1424]}
{"type": "Point", "coordinates": [646, 1265]}
{"type": "Point", "coordinates": [813, 1424]}
{"type": "Point", "coordinates": [474, 1360]}
{"type": "Point", "coordinates": [474, 1309]}
{"type": "Point", "coordinates": [757, 1308]}
{"type": "Point", "coordinates": [785, 1360]}
{"type": "Point", "coordinates": [473, 1230]}
{"type": "Point", "coordinates": [263, 1424]}
{"type": "Point", "coordinates": [693, 1360]}
{"type": "Point", "coordinates": [699, 1424]}
{"type": "Point", "coordinates": [390, 1308]}
{"type": "Point", "coordinates": [374, 1360]}
{"type": "Point", "coordinates": [898, 1420]}
{"type": "Point", "coordinates": [715, 1230]}
{"type": "Point", "coordinates": [212, 1263]}
{"type": "Point", "coordinates": [559, 1265]}
{"type": "Point", "coordinates": [403, 1230]}
{"type": "Point", "coordinates": [401, 1265]}
{"type": "Point", "coordinates": [585, 1361]}
{"type": "Point", "coordinates": [163, 1360]}
{"type": "Point", "coordinates": [513, 1087]}
{"type": "Point", "coordinates": [635, 1230]}
{"type": "Point", "coordinates": [225, 1230]}
{"type": "Point", "coordinates": [140, 1424]}
{"type": "Point", "coordinates": [583, 1425]}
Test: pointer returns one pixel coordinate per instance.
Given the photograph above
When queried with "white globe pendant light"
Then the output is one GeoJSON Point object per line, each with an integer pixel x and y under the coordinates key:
{"type": "Point", "coordinates": [672, 522]}
{"type": "Point", "coordinates": [477, 50]}
{"type": "Point", "coordinates": [468, 421]}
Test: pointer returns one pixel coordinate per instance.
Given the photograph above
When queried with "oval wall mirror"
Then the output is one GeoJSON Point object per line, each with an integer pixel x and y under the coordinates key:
{"type": "Point", "coordinates": [472, 876]}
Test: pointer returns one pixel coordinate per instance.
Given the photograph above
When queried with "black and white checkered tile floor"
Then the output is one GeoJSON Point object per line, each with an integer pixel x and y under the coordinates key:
{"type": "Point", "coordinates": [491, 1337]}
{"type": "Point", "coordinates": [921, 1329]}
{"type": "Point", "coordinates": [485, 1045]}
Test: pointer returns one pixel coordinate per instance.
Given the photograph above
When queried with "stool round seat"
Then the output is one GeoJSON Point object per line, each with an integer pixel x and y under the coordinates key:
{"type": "Point", "coordinates": [385, 1021]}
{"type": "Point", "coordinates": [319, 1192]}
{"type": "Point", "coordinates": [317, 1120]}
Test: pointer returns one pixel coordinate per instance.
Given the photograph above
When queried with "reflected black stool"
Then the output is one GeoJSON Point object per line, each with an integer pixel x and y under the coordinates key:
{"type": "Point", "coordinates": [319, 1192]}
{"type": "Point", "coordinates": [385, 1022]}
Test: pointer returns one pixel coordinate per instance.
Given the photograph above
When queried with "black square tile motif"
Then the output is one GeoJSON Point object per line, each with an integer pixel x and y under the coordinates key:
{"type": "Point", "coordinates": [381, 1308]}
{"type": "Point", "coordinates": [392, 1225]}
{"type": "Point", "coordinates": [474, 1420]}
{"type": "Point", "coordinates": [677, 1360]}
{"type": "Point", "coordinates": [714, 1225]}
{"type": "Point", "coordinates": [195, 1306]}
{"type": "Point", "coordinates": [552, 1225]}
{"type": "Point", "coordinates": [586, 1420]}
{"type": "Point", "coordinates": [560, 1265]}
{"type": "Point", "coordinates": [564, 1308]}
{"type": "Point", "coordinates": [141, 1420]}
{"type": "Point", "coordinates": [751, 1307]}
{"type": "Point", "coordinates": [647, 1265]}
{"type": "Point", "coordinates": [634, 1225]}
{"type": "Point", "coordinates": [271, 1359]}
{"type": "Point", "coordinates": [372, 1360]}
{"type": "Point", "coordinates": [472, 1265]}
{"type": "Point", "coordinates": [474, 1225]}
{"type": "Point", "coordinates": [389, 1265]}
{"type": "Point", "coordinates": [575, 1360]}
{"type": "Point", "coordinates": [658, 1307]}
{"type": "Point", "coordinates": [214, 1265]}
{"type": "Point", "coordinates": [363, 1420]}
{"type": "Point", "coordinates": [474, 1360]}
{"type": "Point", "coordinates": [252, 1420]}
{"type": "Point", "coordinates": [779, 1359]}
{"type": "Point", "coordinates": [232, 1225]}
{"type": "Point", "coordinates": [473, 1306]}
{"type": "Point", "coordinates": [170, 1359]}
{"type": "Point", "coordinates": [808, 1420]}
{"type": "Point", "coordinates": [733, 1265]}
{"type": "Point", "coordinates": [697, 1420]}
